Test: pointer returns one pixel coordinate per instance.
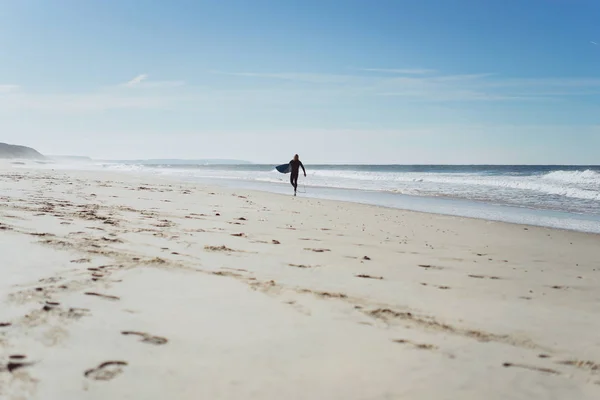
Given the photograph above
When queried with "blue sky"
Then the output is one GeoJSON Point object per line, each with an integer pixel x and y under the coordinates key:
{"type": "Point", "coordinates": [370, 81]}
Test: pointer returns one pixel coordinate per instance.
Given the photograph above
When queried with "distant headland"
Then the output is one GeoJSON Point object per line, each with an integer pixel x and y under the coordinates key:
{"type": "Point", "coordinates": [11, 151]}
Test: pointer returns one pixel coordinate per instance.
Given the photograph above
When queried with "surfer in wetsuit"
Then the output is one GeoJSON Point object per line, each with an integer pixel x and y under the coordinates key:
{"type": "Point", "coordinates": [295, 165]}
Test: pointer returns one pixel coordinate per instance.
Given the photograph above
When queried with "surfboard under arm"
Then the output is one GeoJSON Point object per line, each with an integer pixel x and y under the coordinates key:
{"type": "Point", "coordinates": [283, 168]}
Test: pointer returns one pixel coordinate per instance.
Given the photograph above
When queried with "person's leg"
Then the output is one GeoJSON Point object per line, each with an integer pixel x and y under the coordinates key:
{"type": "Point", "coordinates": [294, 180]}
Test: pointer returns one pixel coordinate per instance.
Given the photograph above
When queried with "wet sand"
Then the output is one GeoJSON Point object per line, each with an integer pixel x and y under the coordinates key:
{"type": "Point", "coordinates": [120, 286]}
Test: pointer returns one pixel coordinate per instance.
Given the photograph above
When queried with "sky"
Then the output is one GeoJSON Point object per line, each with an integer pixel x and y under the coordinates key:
{"type": "Point", "coordinates": [336, 81]}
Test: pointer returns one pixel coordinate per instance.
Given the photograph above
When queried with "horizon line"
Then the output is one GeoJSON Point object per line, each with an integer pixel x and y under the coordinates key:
{"type": "Point", "coordinates": [246, 162]}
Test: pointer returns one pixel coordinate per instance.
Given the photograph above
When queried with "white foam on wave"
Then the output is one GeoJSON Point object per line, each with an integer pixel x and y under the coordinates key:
{"type": "Point", "coordinates": [572, 184]}
{"type": "Point", "coordinates": [586, 177]}
{"type": "Point", "coordinates": [569, 184]}
{"type": "Point", "coordinates": [123, 167]}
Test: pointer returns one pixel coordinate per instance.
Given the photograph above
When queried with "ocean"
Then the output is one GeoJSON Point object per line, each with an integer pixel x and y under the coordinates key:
{"type": "Point", "coordinates": [556, 196]}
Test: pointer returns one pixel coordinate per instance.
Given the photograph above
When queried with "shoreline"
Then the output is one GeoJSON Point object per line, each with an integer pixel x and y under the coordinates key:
{"type": "Point", "coordinates": [123, 285]}
{"type": "Point", "coordinates": [595, 230]}
{"type": "Point", "coordinates": [466, 204]}
{"type": "Point", "coordinates": [439, 205]}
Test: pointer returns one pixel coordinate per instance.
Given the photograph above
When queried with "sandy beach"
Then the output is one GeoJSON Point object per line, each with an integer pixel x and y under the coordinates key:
{"type": "Point", "coordinates": [116, 286]}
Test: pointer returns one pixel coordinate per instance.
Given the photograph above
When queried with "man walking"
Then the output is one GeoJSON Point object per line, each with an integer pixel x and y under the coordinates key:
{"type": "Point", "coordinates": [295, 165]}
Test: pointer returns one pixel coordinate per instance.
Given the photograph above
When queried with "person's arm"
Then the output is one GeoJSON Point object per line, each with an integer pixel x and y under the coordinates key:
{"type": "Point", "coordinates": [302, 165]}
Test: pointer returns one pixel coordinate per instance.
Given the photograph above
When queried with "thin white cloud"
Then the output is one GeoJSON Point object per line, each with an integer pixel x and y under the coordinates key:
{"type": "Point", "coordinates": [102, 99]}
{"type": "Point", "coordinates": [86, 102]}
{"type": "Point", "coordinates": [460, 96]}
{"type": "Point", "coordinates": [460, 77]}
{"type": "Point", "coordinates": [487, 87]}
{"type": "Point", "coordinates": [307, 90]}
{"type": "Point", "coordinates": [421, 84]}
{"type": "Point", "coordinates": [409, 71]}
{"type": "Point", "coordinates": [546, 82]}
{"type": "Point", "coordinates": [142, 81]}
{"type": "Point", "coordinates": [162, 84]}
{"type": "Point", "coordinates": [594, 43]}
{"type": "Point", "coordinates": [415, 77]}
{"type": "Point", "coordinates": [294, 76]}
{"type": "Point", "coordinates": [137, 80]}
{"type": "Point", "coordinates": [465, 87]}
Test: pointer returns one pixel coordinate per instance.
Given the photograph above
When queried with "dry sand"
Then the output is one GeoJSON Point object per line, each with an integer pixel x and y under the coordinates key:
{"type": "Point", "coordinates": [122, 287]}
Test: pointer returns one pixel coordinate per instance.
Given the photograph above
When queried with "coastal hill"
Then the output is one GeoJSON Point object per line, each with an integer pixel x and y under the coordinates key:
{"type": "Point", "coordinates": [10, 151]}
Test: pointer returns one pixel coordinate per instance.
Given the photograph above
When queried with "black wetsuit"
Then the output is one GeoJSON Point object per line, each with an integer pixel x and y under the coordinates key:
{"type": "Point", "coordinates": [295, 169]}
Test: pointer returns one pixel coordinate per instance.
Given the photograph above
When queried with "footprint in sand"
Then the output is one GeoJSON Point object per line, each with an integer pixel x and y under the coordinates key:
{"type": "Point", "coordinates": [81, 261]}
{"type": "Point", "coordinates": [427, 266]}
{"type": "Point", "coordinates": [326, 295]}
{"type": "Point", "coordinates": [532, 368]}
{"type": "Point", "coordinates": [111, 240]}
{"type": "Point", "coordinates": [226, 273]}
{"type": "Point", "coordinates": [219, 248]}
{"type": "Point", "coordinates": [146, 338]}
{"type": "Point", "coordinates": [586, 365]}
{"type": "Point", "coordinates": [420, 346]}
{"type": "Point", "coordinates": [484, 277]}
{"type": "Point", "coordinates": [317, 250]}
{"type": "Point", "coordinates": [50, 305]}
{"type": "Point", "coordinates": [15, 363]}
{"type": "Point", "coordinates": [369, 276]}
{"type": "Point", "coordinates": [104, 296]}
{"type": "Point", "coordinates": [105, 371]}
{"type": "Point", "coordinates": [300, 266]}
{"type": "Point", "coordinates": [39, 234]}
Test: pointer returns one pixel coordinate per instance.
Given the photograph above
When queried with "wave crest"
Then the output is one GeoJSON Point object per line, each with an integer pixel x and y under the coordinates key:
{"type": "Point", "coordinates": [587, 176]}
